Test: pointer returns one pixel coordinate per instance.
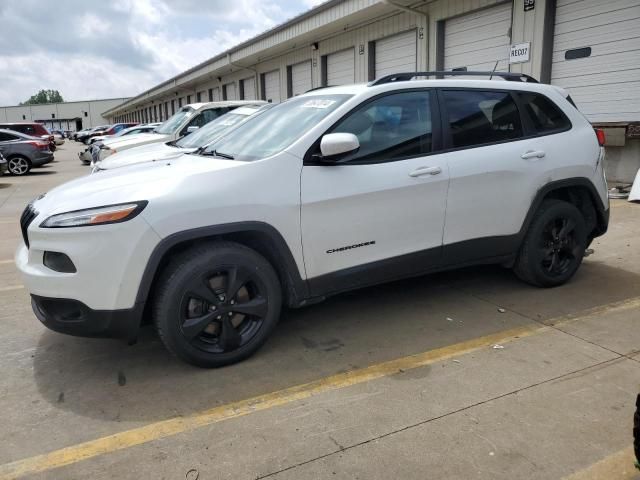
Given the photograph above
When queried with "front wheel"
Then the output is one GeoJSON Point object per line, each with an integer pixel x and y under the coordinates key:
{"type": "Point", "coordinates": [216, 304]}
{"type": "Point", "coordinates": [554, 245]}
{"type": "Point", "coordinates": [18, 166]}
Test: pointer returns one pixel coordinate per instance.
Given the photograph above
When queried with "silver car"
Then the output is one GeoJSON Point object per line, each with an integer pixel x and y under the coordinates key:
{"type": "Point", "coordinates": [23, 151]}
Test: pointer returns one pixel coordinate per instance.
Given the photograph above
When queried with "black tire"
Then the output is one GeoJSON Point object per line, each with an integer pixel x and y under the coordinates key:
{"type": "Point", "coordinates": [216, 304]}
{"type": "Point", "coordinates": [554, 245]}
{"type": "Point", "coordinates": [636, 431]}
{"type": "Point", "coordinates": [19, 165]}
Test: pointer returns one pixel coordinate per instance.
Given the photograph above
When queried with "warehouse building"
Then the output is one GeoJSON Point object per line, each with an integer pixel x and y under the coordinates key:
{"type": "Point", "coordinates": [63, 116]}
{"type": "Point", "coordinates": [590, 47]}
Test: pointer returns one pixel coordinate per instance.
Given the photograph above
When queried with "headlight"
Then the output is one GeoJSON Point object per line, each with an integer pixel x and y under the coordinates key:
{"type": "Point", "coordinates": [95, 216]}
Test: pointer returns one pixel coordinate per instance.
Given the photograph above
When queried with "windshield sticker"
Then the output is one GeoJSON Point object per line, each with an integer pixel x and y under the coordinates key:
{"type": "Point", "coordinates": [318, 103]}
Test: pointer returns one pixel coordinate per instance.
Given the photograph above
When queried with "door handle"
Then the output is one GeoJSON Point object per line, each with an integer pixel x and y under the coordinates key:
{"type": "Point", "coordinates": [420, 171]}
{"type": "Point", "coordinates": [532, 154]}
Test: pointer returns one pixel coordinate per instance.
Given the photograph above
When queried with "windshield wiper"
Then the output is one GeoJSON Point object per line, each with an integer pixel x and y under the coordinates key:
{"type": "Point", "coordinates": [214, 153]}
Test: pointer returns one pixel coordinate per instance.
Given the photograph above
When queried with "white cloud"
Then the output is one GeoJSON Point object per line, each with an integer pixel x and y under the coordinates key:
{"type": "Point", "coordinates": [123, 47]}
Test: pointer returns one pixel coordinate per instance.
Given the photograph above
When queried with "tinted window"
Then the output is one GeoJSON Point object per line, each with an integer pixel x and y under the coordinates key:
{"type": "Point", "coordinates": [544, 114]}
{"type": "Point", "coordinates": [390, 128]}
{"type": "Point", "coordinates": [5, 137]}
{"type": "Point", "coordinates": [479, 117]}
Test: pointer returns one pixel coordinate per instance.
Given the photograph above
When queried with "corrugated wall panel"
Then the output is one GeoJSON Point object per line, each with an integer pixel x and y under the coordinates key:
{"type": "Point", "coordinates": [272, 86]}
{"type": "Point", "coordinates": [249, 87]}
{"type": "Point", "coordinates": [605, 84]}
{"type": "Point", "coordinates": [301, 78]}
{"type": "Point", "coordinates": [396, 54]}
{"type": "Point", "coordinates": [341, 67]}
{"type": "Point", "coordinates": [478, 39]}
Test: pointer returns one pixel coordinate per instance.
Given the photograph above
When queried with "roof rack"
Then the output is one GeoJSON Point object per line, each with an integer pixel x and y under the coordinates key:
{"type": "Point", "coordinates": [403, 77]}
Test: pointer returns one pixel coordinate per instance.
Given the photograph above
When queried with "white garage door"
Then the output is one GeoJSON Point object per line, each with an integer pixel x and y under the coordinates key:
{"type": "Point", "coordinates": [396, 54]}
{"type": "Point", "coordinates": [596, 56]}
{"type": "Point", "coordinates": [477, 40]}
{"type": "Point", "coordinates": [249, 88]}
{"type": "Point", "coordinates": [272, 86]}
{"type": "Point", "coordinates": [215, 94]}
{"type": "Point", "coordinates": [300, 78]}
{"type": "Point", "coordinates": [230, 88]}
{"type": "Point", "coordinates": [341, 67]}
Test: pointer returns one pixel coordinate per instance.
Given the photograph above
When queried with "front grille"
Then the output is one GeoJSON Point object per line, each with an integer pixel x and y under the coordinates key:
{"type": "Point", "coordinates": [25, 220]}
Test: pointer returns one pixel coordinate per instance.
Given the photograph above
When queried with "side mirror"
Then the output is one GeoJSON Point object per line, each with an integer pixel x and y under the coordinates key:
{"type": "Point", "coordinates": [191, 129]}
{"type": "Point", "coordinates": [334, 146]}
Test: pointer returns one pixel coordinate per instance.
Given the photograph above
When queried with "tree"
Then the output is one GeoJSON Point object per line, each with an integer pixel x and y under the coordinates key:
{"type": "Point", "coordinates": [44, 96]}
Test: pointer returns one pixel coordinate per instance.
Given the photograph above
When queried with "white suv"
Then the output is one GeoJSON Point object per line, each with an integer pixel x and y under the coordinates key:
{"type": "Point", "coordinates": [329, 191]}
{"type": "Point", "coordinates": [186, 120]}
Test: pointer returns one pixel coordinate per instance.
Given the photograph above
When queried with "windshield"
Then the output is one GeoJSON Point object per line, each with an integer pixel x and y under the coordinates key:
{"type": "Point", "coordinates": [277, 128]}
{"type": "Point", "coordinates": [213, 130]}
{"type": "Point", "coordinates": [173, 124]}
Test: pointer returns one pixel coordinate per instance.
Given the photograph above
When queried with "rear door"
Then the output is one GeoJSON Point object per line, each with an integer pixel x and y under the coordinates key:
{"type": "Point", "coordinates": [496, 163]}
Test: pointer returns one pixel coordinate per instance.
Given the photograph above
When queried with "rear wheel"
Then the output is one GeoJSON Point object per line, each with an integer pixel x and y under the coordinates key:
{"type": "Point", "coordinates": [18, 165]}
{"type": "Point", "coordinates": [217, 304]}
{"type": "Point", "coordinates": [554, 246]}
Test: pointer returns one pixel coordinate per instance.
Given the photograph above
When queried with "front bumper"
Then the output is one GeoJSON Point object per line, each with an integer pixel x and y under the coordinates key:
{"type": "Point", "coordinates": [109, 261]}
{"type": "Point", "coordinates": [85, 157]}
{"type": "Point", "coordinates": [72, 317]}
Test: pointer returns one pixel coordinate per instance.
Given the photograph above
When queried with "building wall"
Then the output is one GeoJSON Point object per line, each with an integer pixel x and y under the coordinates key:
{"type": "Point", "coordinates": [357, 24]}
{"type": "Point", "coordinates": [58, 114]}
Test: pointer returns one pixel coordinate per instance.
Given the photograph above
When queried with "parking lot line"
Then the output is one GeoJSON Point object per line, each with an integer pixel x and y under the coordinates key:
{"type": "Point", "coordinates": [174, 426]}
{"type": "Point", "coordinates": [619, 466]}
{"type": "Point", "coordinates": [11, 287]}
{"type": "Point", "coordinates": [5, 262]}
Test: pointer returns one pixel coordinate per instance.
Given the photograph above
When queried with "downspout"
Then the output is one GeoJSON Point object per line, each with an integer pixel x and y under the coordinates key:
{"type": "Point", "coordinates": [255, 73]}
{"type": "Point", "coordinates": [415, 12]}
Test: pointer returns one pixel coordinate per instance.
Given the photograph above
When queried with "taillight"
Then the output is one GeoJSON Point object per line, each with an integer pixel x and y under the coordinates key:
{"type": "Point", "coordinates": [601, 136]}
{"type": "Point", "coordinates": [39, 145]}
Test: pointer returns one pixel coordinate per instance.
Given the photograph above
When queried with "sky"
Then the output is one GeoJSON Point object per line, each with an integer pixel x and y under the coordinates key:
{"type": "Point", "coordinates": [90, 49]}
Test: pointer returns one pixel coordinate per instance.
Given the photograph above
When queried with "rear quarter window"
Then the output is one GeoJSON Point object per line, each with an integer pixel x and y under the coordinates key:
{"type": "Point", "coordinates": [545, 115]}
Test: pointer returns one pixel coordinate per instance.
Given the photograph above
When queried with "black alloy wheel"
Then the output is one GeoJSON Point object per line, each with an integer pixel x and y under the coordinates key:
{"type": "Point", "coordinates": [554, 245]}
{"type": "Point", "coordinates": [559, 246]}
{"type": "Point", "coordinates": [223, 310]}
{"type": "Point", "coordinates": [216, 304]}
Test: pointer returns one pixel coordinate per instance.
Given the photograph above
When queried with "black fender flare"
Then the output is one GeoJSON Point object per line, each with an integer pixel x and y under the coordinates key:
{"type": "Point", "coordinates": [297, 290]}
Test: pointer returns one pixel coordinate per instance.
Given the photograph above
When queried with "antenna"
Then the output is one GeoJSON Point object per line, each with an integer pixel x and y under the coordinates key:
{"type": "Point", "coordinates": [494, 69]}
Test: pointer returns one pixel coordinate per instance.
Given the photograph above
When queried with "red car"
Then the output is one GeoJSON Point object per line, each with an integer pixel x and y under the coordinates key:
{"type": "Point", "coordinates": [32, 129]}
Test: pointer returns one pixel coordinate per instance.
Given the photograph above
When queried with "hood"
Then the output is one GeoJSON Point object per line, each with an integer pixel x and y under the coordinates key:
{"type": "Point", "coordinates": [145, 153]}
{"type": "Point", "coordinates": [138, 182]}
{"type": "Point", "coordinates": [130, 141]}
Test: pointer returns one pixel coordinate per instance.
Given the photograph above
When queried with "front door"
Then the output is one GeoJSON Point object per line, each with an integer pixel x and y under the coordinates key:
{"type": "Point", "coordinates": [379, 213]}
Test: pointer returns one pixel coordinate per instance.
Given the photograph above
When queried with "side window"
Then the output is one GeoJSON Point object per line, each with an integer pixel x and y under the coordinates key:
{"type": "Point", "coordinates": [545, 115]}
{"type": "Point", "coordinates": [205, 117]}
{"type": "Point", "coordinates": [390, 128]}
{"type": "Point", "coordinates": [479, 117]}
{"type": "Point", "coordinates": [5, 137]}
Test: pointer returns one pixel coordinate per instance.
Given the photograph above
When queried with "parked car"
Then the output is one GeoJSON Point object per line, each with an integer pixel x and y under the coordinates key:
{"type": "Point", "coordinates": [32, 129]}
{"type": "Point", "coordinates": [111, 131]}
{"type": "Point", "coordinates": [23, 151]}
{"type": "Point", "coordinates": [74, 135]}
{"type": "Point", "coordinates": [94, 146]}
{"type": "Point", "coordinates": [204, 136]}
{"type": "Point", "coordinates": [140, 128]}
{"type": "Point", "coordinates": [58, 137]}
{"type": "Point", "coordinates": [185, 121]}
{"type": "Point", "coordinates": [4, 165]}
{"type": "Point", "coordinates": [84, 136]}
{"type": "Point", "coordinates": [326, 192]}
